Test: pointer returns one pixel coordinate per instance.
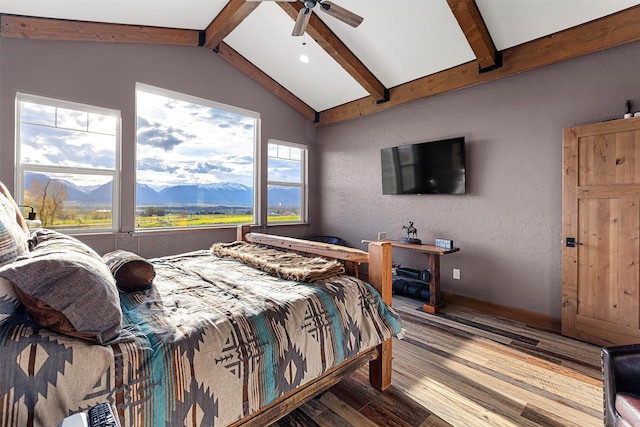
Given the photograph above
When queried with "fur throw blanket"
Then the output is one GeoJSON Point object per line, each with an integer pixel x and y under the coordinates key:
{"type": "Point", "coordinates": [288, 265]}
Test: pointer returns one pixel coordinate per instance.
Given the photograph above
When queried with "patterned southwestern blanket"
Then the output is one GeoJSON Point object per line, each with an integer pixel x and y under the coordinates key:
{"type": "Point", "coordinates": [214, 341]}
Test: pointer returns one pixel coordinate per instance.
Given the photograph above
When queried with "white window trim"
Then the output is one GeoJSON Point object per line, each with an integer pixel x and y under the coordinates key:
{"type": "Point", "coordinates": [257, 163]}
{"type": "Point", "coordinates": [195, 100]}
{"type": "Point", "coordinates": [114, 174]}
{"type": "Point", "coordinates": [303, 185]}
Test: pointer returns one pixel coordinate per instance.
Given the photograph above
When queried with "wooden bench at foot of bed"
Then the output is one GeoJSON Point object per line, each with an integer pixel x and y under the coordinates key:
{"type": "Point", "coordinates": [379, 259]}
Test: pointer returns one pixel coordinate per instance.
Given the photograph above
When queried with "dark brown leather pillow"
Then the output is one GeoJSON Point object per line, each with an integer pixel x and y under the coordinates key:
{"type": "Point", "coordinates": [131, 271]}
{"type": "Point", "coordinates": [50, 318]}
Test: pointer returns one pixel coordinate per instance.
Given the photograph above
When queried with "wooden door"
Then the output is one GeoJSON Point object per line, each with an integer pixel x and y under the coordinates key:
{"type": "Point", "coordinates": [601, 211]}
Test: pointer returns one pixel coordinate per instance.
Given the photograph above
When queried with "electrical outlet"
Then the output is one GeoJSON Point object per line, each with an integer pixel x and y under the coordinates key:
{"type": "Point", "coordinates": [456, 273]}
{"type": "Point", "coordinates": [382, 235]}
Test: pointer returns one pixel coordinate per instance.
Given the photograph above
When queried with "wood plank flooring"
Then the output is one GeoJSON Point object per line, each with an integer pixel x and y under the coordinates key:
{"type": "Point", "coordinates": [464, 368]}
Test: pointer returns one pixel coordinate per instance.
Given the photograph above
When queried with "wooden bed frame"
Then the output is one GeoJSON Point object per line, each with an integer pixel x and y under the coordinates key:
{"type": "Point", "coordinates": [379, 262]}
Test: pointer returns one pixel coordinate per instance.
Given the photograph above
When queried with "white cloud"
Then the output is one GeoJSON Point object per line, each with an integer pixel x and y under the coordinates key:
{"type": "Point", "coordinates": [188, 143]}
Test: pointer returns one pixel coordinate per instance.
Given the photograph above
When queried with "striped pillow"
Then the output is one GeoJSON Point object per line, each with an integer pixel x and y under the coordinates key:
{"type": "Point", "coordinates": [9, 301]}
{"type": "Point", "coordinates": [13, 239]}
{"type": "Point", "coordinates": [13, 242]}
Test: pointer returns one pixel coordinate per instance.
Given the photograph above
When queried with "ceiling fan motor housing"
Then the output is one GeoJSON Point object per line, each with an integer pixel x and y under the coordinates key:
{"type": "Point", "coordinates": [309, 4]}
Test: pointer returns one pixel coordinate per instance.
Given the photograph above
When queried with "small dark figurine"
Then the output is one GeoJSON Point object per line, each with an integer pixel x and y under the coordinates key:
{"type": "Point", "coordinates": [411, 231]}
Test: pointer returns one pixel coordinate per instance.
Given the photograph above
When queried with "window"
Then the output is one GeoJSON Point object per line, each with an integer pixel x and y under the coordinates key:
{"type": "Point", "coordinates": [286, 182]}
{"type": "Point", "coordinates": [68, 162]}
{"type": "Point", "coordinates": [195, 161]}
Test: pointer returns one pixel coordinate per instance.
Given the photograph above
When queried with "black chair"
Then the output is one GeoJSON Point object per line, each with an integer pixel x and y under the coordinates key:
{"type": "Point", "coordinates": [621, 374]}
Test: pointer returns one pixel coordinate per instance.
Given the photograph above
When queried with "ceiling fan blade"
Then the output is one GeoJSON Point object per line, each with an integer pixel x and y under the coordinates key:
{"type": "Point", "coordinates": [341, 13]}
{"type": "Point", "coordinates": [255, 1]}
{"type": "Point", "coordinates": [301, 23]}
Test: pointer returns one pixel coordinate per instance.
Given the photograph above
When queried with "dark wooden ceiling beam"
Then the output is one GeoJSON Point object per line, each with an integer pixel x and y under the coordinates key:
{"type": "Point", "coordinates": [604, 33]}
{"type": "Point", "coordinates": [241, 63]}
{"type": "Point", "coordinates": [470, 20]}
{"type": "Point", "coordinates": [613, 30]}
{"type": "Point", "coordinates": [327, 39]}
{"type": "Point", "coordinates": [56, 29]}
{"type": "Point", "coordinates": [227, 20]}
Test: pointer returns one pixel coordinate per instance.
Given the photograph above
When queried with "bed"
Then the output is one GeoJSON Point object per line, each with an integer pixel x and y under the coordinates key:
{"type": "Point", "coordinates": [195, 339]}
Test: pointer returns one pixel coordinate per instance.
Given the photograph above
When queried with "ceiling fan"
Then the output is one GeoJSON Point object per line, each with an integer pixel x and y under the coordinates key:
{"type": "Point", "coordinates": [329, 7]}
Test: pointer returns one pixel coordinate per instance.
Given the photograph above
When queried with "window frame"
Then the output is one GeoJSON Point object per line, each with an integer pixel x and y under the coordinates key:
{"type": "Point", "coordinates": [303, 184]}
{"type": "Point", "coordinates": [114, 173]}
{"type": "Point", "coordinates": [184, 97]}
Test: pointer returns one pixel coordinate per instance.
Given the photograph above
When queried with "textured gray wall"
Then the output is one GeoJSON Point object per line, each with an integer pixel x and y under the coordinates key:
{"type": "Point", "coordinates": [508, 225]}
{"type": "Point", "coordinates": [105, 74]}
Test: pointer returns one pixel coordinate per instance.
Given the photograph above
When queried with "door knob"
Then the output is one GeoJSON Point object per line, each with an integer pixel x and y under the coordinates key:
{"type": "Point", "coordinates": [571, 242]}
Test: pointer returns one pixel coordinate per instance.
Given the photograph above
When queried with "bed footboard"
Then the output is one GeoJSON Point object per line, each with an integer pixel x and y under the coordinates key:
{"type": "Point", "coordinates": [380, 260]}
{"type": "Point", "coordinates": [300, 396]}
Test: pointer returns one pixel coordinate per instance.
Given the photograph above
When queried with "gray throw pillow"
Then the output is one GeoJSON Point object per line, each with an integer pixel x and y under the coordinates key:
{"type": "Point", "coordinates": [66, 287]}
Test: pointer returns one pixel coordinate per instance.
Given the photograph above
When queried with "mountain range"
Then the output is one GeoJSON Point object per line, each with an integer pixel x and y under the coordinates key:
{"type": "Point", "coordinates": [225, 193]}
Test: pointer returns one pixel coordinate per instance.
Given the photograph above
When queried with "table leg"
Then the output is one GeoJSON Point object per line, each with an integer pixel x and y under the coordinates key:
{"type": "Point", "coordinates": [435, 298]}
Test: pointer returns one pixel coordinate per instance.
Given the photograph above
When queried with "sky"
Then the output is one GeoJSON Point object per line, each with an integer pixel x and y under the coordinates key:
{"type": "Point", "coordinates": [178, 142]}
{"type": "Point", "coordinates": [184, 143]}
{"type": "Point", "coordinates": [79, 140]}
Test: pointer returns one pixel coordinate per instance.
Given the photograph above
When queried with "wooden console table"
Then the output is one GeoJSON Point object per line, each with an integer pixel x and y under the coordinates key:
{"type": "Point", "coordinates": [433, 253]}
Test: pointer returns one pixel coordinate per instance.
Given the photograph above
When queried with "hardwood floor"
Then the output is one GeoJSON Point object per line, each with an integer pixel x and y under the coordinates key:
{"type": "Point", "coordinates": [464, 368]}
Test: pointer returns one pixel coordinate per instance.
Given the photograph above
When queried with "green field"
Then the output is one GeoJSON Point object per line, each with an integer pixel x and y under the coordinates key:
{"type": "Point", "coordinates": [204, 220]}
{"type": "Point", "coordinates": [170, 221]}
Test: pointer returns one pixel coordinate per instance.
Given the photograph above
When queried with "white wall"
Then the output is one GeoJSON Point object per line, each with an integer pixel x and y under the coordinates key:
{"type": "Point", "coordinates": [508, 225]}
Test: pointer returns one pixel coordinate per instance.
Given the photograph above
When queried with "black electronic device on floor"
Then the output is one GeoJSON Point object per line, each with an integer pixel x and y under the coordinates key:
{"type": "Point", "coordinates": [423, 275]}
{"type": "Point", "coordinates": [411, 283]}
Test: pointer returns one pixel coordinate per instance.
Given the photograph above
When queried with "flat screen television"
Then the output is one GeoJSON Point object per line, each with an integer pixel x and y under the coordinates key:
{"type": "Point", "coordinates": [436, 167]}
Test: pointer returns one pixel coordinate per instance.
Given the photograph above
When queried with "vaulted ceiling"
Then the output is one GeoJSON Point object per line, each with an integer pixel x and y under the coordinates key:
{"type": "Point", "coordinates": [404, 50]}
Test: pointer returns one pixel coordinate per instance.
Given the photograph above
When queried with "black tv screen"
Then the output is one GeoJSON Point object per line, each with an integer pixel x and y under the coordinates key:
{"type": "Point", "coordinates": [436, 167]}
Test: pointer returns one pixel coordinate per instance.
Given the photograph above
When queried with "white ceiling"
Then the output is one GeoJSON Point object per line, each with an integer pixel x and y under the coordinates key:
{"type": "Point", "coordinates": [398, 41]}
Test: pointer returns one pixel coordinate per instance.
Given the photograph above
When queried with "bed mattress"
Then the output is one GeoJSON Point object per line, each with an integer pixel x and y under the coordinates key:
{"type": "Point", "coordinates": [212, 341]}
